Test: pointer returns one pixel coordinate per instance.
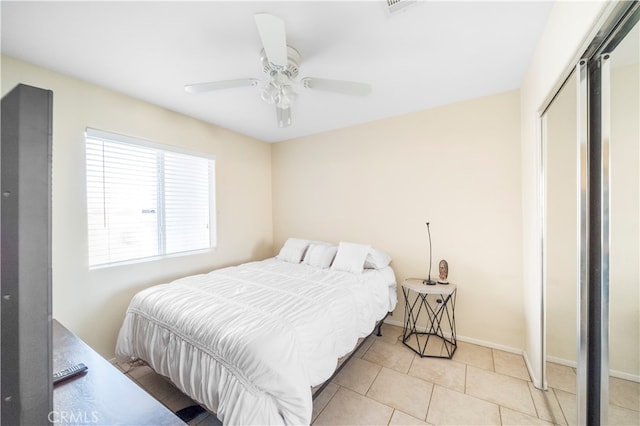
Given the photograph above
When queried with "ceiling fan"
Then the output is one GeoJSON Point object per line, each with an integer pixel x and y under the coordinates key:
{"type": "Point", "coordinates": [280, 63]}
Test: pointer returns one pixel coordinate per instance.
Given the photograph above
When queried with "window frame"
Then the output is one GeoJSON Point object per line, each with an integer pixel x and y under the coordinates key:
{"type": "Point", "coordinates": [92, 133]}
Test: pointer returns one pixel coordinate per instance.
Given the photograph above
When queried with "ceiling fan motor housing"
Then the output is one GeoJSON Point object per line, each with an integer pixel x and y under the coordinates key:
{"type": "Point", "coordinates": [291, 70]}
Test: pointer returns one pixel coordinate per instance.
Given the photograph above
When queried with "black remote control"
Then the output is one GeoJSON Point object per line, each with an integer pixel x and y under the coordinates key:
{"type": "Point", "coordinates": [69, 372]}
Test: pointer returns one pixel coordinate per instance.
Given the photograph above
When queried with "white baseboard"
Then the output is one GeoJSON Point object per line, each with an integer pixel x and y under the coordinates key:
{"type": "Point", "coordinates": [613, 373]}
{"type": "Point", "coordinates": [469, 340]}
{"type": "Point", "coordinates": [625, 376]}
{"type": "Point", "coordinates": [562, 361]}
{"type": "Point", "coordinates": [491, 345]}
{"type": "Point", "coordinates": [393, 322]}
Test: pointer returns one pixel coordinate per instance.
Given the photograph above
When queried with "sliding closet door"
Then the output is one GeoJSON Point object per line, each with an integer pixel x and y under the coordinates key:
{"type": "Point", "coordinates": [622, 87]}
{"type": "Point", "coordinates": [560, 162]}
{"type": "Point", "coordinates": [609, 128]}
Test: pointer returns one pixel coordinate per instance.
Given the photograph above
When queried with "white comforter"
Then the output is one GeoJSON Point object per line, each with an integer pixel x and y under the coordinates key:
{"type": "Point", "coordinates": [250, 341]}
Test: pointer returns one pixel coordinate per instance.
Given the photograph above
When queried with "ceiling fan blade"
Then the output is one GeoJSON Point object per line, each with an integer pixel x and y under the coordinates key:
{"type": "Point", "coordinates": [284, 116]}
{"type": "Point", "coordinates": [274, 38]}
{"type": "Point", "coordinates": [217, 85]}
{"type": "Point", "coordinates": [339, 86]}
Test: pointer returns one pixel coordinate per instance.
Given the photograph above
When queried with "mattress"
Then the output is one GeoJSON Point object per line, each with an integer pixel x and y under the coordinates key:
{"type": "Point", "coordinates": [250, 341]}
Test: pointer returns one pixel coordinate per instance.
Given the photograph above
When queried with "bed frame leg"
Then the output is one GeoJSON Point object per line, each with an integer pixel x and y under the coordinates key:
{"type": "Point", "coordinates": [379, 328]}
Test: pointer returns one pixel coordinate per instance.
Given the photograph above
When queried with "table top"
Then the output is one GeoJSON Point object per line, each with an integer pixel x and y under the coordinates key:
{"type": "Point", "coordinates": [415, 284]}
{"type": "Point", "coordinates": [103, 395]}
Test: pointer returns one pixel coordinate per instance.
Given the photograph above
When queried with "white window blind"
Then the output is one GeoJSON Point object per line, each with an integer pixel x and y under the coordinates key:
{"type": "Point", "coordinates": [144, 200]}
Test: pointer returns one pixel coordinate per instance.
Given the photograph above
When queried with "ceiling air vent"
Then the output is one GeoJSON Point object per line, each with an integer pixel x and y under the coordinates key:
{"type": "Point", "coordinates": [395, 6]}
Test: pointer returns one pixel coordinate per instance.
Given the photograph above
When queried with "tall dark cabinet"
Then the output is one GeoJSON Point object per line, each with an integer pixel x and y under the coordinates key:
{"type": "Point", "coordinates": [25, 234]}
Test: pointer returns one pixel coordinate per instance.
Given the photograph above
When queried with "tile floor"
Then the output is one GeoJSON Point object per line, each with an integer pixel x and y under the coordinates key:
{"type": "Point", "coordinates": [385, 383]}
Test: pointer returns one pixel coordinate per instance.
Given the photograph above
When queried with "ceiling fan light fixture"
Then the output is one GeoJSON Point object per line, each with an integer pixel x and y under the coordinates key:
{"type": "Point", "coordinates": [283, 116]}
{"type": "Point", "coordinates": [282, 95]}
{"type": "Point", "coordinates": [284, 101]}
{"type": "Point", "coordinates": [288, 95]}
{"type": "Point", "coordinates": [270, 93]}
{"type": "Point", "coordinates": [287, 90]}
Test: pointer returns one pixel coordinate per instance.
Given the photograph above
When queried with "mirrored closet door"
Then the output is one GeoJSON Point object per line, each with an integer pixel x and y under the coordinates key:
{"type": "Point", "coordinates": [624, 229]}
{"type": "Point", "coordinates": [591, 232]}
{"type": "Point", "coordinates": [561, 249]}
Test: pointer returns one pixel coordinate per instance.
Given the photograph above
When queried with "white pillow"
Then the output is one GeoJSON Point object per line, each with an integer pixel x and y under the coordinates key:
{"type": "Point", "coordinates": [293, 250]}
{"type": "Point", "coordinates": [350, 257]}
{"type": "Point", "coordinates": [377, 259]}
{"type": "Point", "coordinates": [320, 255]}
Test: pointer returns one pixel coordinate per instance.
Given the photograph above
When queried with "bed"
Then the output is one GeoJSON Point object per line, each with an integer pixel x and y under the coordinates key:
{"type": "Point", "coordinates": [251, 341]}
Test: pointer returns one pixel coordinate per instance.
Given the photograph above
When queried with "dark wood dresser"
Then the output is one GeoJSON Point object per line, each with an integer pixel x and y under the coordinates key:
{"type": "Point", "coordinates": [103, 395]}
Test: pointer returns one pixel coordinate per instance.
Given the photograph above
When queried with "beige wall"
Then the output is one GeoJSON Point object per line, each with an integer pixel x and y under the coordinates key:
{"type": "Point", "coordinates": [456, 166]}
{"type": "Point", "coordinates": [92, 303]}
{"type": "Point", "coordinates": [568, 30]}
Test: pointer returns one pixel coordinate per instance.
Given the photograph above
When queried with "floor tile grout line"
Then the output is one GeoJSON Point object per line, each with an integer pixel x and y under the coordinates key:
{"type": "Point", "coordinates": [367, 350]}
{"type": "Point", "coordinates": [466, 375]}
{"type": "Point", "coordinates": [327, 404]}
{"type": "Point", "coordinates": [411, 364]}
{"type": "Point", "coordinates": [385, 404]}
{"type": "Point", "coordinates": [564, 415]}
{"type": "Point", "coordinates": [624, 407]}
{"type": "Point", "coordinates": [390, 418]}
{"type": "Point", "coordinates": [521, 412]}
{"type": "Point", "coordinates": [373, 381]}
{"type": "Point", "coordinates": [493, 361]}
{"type": "Point", "coordinates": [533, 400]}
{"type": "Point", "coordinates": [433, 389]}
{"type": "Point", "coordinates": [535, 406]}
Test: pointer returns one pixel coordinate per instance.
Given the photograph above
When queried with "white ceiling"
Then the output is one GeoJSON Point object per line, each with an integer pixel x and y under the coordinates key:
{"type": "Point", "coordinates": [431, 53]}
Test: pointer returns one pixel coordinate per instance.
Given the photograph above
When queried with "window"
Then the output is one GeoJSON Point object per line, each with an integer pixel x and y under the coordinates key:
{"type": "Point", "coordinates": [146, 200]}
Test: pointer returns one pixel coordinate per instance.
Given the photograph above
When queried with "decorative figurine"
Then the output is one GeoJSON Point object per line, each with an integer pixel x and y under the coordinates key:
{"type": "Point", "coordinates": [443, 268]}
